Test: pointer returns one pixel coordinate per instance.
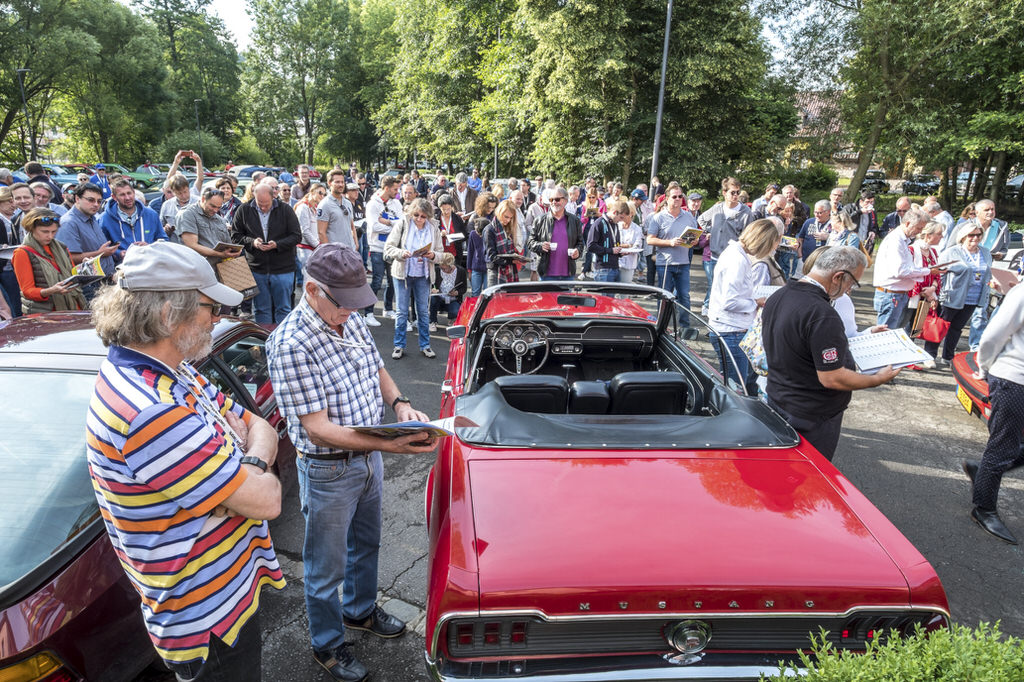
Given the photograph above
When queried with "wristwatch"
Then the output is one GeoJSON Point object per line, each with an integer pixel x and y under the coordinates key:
{"type": "Point", "coordinates": [255, 461]}
{"type": "Point", "coordinates": [400, 399]}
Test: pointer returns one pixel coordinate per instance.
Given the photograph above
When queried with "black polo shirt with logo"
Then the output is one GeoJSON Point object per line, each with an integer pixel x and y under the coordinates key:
{"type": "Point", "coordinates": [803, 334]}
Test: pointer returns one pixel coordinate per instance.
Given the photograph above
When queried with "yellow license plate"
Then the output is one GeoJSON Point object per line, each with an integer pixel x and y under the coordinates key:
{"type": "Point", "coordinates": [964, 399]}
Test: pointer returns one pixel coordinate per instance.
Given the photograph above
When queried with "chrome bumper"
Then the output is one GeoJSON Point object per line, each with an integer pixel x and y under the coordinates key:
{"type": "Point", "coordinates": [618, 669]}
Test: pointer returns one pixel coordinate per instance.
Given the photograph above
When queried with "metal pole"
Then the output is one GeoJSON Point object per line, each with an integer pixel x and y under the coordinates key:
{"type": "Point", "coordinates": [495, 161]}
{"type": "Point", "coordinates": [195, 104]}
{"type": "Point", "coordinates": [24, 103]}
{"type": "Point", "coordinates": [661, 91]}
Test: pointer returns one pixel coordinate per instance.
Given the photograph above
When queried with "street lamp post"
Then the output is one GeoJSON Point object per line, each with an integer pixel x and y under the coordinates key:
{"type": "Point", "coordinates": [199, 135]}
{"type": "Point", "coordinates": [24, 103]}
{"type": "Point", "coordinates": [661, 91]}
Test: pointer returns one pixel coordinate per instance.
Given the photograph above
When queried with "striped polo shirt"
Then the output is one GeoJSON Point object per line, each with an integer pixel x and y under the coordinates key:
{"type": "Point", "coordinates": [161, 461]}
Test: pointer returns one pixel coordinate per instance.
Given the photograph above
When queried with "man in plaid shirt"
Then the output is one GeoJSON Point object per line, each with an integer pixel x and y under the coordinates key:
{"type": "Point", "coordinates": [328, 375]}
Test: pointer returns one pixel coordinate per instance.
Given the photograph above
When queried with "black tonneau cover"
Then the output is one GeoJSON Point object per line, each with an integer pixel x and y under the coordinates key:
{"type": "Point", "coordinates": [739, 422]}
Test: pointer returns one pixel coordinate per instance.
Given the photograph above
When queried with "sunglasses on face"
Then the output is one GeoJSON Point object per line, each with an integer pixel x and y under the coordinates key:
{"type": "Point", "coordinates": [216, 309]}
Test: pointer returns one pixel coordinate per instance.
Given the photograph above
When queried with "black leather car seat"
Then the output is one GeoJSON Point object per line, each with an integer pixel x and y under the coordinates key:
{"type": "Point", "coordinates": [588, 397]}
{"type": "Point", "coordinates": [541, 393]}
{"type": "Point", "coordinates": [647, 393]}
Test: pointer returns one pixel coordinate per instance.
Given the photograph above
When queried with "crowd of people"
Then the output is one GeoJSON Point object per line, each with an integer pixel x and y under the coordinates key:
{"type": "Point", "coordinates": [323, 255]}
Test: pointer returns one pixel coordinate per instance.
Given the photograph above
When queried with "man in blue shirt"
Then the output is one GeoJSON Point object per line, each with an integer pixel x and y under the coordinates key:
{"type": "Point", "coordinates": [127, 221]}
{"type": "Point", "coordinates": [81, 232]}
{"type": "Point", "coordinates": [665, 232]}
{"type": "Point", "coordinates": [475, 182]}
{"type": "Point", "coordinates": [99, 178]}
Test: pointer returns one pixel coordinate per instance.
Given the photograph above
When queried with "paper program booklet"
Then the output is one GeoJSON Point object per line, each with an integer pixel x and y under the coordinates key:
{"type": "Point", "coordinates": [437, 427]}
{"type": "Point", "coordinates": [872, 352]}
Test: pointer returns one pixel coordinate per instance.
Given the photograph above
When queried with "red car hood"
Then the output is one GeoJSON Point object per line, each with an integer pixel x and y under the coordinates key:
{"type": "Point", "coordinates": [624, 535]}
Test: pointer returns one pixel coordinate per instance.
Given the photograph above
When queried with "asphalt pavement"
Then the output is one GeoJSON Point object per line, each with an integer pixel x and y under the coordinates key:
{"type": "Point", "coordinates": [901, 446]}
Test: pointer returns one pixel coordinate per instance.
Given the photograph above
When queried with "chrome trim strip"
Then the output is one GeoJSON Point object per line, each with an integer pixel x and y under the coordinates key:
{"type": "Point", "coordinates": [702, 615]}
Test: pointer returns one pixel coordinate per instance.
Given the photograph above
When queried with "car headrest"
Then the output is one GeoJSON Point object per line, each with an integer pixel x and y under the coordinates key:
{"type": "Point", "coordinates": [647, 393]}
{"type": "Point", "coordinates": [541, 393]}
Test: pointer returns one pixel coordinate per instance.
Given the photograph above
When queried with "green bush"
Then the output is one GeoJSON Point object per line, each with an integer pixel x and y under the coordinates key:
{"type": "Point", "coordinates": [960, 654]}
{"type": "Point", "coordinates": [214, 152]}
{"type": "Point", "coordinates": [816, 177]}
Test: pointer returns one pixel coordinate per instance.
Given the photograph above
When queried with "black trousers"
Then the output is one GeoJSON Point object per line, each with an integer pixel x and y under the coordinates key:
{"type": "Point", "coordinates": [1003, 451]}
{"type": "Point", "coordinates": [244, 661]}
{"type": "Point", "coordinates": [823, 434]}
{"type": "Point", "coordinates": [957, 318]}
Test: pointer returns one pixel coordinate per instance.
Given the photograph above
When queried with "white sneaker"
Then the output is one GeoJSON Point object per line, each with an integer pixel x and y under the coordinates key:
{"type": "Point", "coordinates": [396, 354]}
{"type": "Point", "coordinates": [428, 351]}
{"type": "Point", "coordinates": [433, 326]}
{"type": "Point", "coordinates": [408, 327]}
{"type": "Point", "coordinates": [370, 320]}
{"type": "Point", "coordinates": [390, 314]}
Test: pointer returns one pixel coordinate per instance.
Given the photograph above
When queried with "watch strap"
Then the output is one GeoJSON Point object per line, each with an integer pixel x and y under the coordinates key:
{"type": "Point", "coordinates": [400, 399]}
{"type": "Point", "coordinates": [255, 461]}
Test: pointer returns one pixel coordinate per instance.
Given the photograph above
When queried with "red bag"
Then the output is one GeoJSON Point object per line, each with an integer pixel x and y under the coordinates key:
{"type": "Point", "coordinates": [935, 328]}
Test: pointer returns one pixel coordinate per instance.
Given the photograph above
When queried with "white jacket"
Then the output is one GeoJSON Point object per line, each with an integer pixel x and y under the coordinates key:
{"type": "Point", "coordinates": [732, 307]}
{"type": "Point", "coordinates": [1001, 350]}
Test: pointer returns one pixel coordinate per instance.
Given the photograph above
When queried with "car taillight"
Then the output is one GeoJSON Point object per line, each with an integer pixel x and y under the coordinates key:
{"type": "Point", "coordinates": [487, 635]}
{"type": "Point", "coordinates": [43, 667]}
{"type": "Point", "coordinates": [464, 634]}
{"type": "Point", "coordinates": [492, 633]}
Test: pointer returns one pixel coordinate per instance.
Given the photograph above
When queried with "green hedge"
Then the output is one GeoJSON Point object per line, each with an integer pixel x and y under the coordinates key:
{"type": "Point", "coordinates": [960, 654]}
{"type": "Point", "coordinates": [817, 176]}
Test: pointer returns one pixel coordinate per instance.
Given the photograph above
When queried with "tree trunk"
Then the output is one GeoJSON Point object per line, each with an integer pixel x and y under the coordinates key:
{"type": "Point", "coordinates": [998, 179]}
{"type": "Point", "coordinates": [982, 181]}
{"type": "Point", "coordinates": [944, 194]}
{"type": "Point", "coordinates": [972, 165]}
{"type": "Point", "coordinates": [104, 146]}
{"type": "Point", "coordinates": [868, 150]}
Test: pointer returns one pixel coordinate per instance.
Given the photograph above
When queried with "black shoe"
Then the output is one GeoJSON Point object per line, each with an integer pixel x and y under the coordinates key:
{"type": "Point", "coordinates": [990, 521]}
{"type": "Point", "coordinates": [341, 664]}
{"type": "Point", "coordinates": [379, 623]}
{"type": "Point", "coordinates": [970, 467]}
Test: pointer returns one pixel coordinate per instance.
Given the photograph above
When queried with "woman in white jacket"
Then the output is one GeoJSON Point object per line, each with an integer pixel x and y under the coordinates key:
{"type": "Point", "coordinates": [733, 306]}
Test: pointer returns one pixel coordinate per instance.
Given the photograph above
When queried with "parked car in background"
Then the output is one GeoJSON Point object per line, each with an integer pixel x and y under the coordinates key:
{"type": "Point", "coordinates": [80, 168]}
{"type": "Point", "coordinates": [922, 183]}
{"type": "Point", "coordinates": [139, 180]}
{"type": "Point", "coordinates": [1012, 188]}
{"type": "Point", "coordinates": [57, 173]}
{"type": "Point", "coordinates": [611, 508]}
{"type": "Point", "coordinates": [67, 610]}
{"type": "Point", "coordinates": [876, 181]}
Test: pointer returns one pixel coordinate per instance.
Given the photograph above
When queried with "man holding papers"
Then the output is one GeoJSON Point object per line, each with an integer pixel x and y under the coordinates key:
{"type": "Point", "coordinates": [327, 375]}
{"type": "Point", "coordinates": [811, 371]}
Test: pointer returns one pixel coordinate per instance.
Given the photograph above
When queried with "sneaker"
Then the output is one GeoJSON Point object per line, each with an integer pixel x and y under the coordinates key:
{"type": "Point", "coordinates": [433, 326]}
{"type": "Point", "coordinates": [429, 352]}
{"type": "Point", "coordinates": [341, 664]}
{"type": "Point", "coordinates": [379, 622]}
{"type": "Point", "coordinates": [408, 327]}
{"type": "Point", "coordinates": [390, 314]}
{"type": "Point", "coordinates": [397, 353]}
{"type": "Point", "coordinates": [371, 321]}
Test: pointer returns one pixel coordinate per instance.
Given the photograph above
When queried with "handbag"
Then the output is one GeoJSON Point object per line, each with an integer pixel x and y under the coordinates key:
{"type": "Point", "coordinates": [752, 346]}
{"type": "Point", "coordinates": [235, 273]}
{"type": "Point", "coordinates": [934, 328]}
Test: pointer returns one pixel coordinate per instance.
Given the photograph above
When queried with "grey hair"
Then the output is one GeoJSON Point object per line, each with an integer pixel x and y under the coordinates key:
{"type": "Point", "coordinates": [839, 258]}
{"type": "Point", "coordinates": [914, 215]}
{"type": "Point", "coordinates": [6, 174]}
{"type": "Point", "coordinates": [987, 202]}
{"type": "Point", "coordinates": [932, 206]}
{"type": "Point", "coordinates": [559, 191]}
{"type": "Point", "coordinates": [932, 227]}
{"type": "Point", "coordinates": [461, 177]}
{"type": "Point", "coordinates": [44, 186]}
{"type": "Point", "coordinates": [824, 204]}
{"type": "Point", "coordinates": [139, 318]}
{"type": "Point", "coordinates": [261, 187]}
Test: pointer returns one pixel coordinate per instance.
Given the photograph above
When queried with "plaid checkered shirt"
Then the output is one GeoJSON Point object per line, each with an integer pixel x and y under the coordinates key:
{"type": "Point", "coordinates": [313, 368]}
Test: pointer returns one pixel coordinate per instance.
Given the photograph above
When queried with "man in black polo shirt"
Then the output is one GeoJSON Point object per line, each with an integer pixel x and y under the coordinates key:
{"type": "Point", "coordinates": [811, 372]}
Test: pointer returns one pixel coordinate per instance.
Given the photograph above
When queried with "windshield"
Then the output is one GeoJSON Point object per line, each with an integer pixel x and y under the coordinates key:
{"type": "Point", "coordinates": [46, 496]}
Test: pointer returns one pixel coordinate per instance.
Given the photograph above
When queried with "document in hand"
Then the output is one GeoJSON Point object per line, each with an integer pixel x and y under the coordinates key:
{"type": "Point", "coordinates": [872, 352]}
{"type": "Point", "coordinates": [765, 290]}
{"type": "Point", "coordinates": [437, 427]}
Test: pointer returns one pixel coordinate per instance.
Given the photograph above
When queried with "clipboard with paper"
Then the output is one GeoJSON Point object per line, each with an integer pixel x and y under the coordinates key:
{"type": "Point", "coordinates": [872, 352]}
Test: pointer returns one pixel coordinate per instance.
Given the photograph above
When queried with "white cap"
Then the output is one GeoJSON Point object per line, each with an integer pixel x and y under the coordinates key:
{"type": "Point", "coordinates": [166, 266]}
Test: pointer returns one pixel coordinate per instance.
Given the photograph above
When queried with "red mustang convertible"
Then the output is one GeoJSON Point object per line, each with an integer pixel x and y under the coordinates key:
{"type": "Point", "coordinates": [619, 512]}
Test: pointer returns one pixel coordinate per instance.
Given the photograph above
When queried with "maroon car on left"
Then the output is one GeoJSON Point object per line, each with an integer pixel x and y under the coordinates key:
{"type": "Point", "coordinates": [67, 609]}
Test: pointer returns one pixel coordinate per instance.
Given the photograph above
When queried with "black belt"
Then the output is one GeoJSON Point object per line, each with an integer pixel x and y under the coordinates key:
{"type": "Point", "coordinates": [346, 455]}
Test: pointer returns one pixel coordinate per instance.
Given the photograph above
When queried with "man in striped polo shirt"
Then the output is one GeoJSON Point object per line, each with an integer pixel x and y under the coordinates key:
{"type": "Point", "coordinates": [180, 470]}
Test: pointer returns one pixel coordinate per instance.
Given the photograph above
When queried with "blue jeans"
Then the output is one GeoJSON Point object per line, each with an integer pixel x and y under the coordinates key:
{"type": "Point", "coordinates": [364, 249]}
{"type": "Point", "coordinates": [477, 279]}
{"type": "Point", "coordinates": [606, 275]}
{"type": "Point", "coordinates": [420, 287]}
{"type": "Point", "coordinates": [890, 307]}
{"type": "Point", "coordinates": [341, 503]}
{"type": "Point", "coordinates": [451, 309]}
{"type": "Point", "coordinates": [740, 371]}
{"type": "Point", "coordinates": [676, 278]}
{"type": "Point", "coordinates": [273, 299]}
{"type": "Point", "coordinates": [979, 320]}
{"type": "Point", "coordinates": [709, 274]}
{"type": "Point", "coordinates": [787, 261]}
{"type": "Point", "coordinates": [380, 271]}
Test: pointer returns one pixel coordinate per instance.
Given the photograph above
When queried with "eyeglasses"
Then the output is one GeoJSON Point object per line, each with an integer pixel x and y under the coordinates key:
{"type": "Point", "coordinates": [331, 298]}
{"type": "Point", "coordinates": [557, 200]}
{"type": "Point", "coordinates": [362, 184]}
{"type": "Point", "coordinates": [856, 284]}
{"type": "Point", "coordinates": [216, 309]}
{"type": "Point", "coordinates": [676, 196]}
{"type": "Point", "coordinates": [48, 220]}
{"type": "Point", "coordinates": [734, 192]}
{"type": "Point", "coordinates": [419, 216]}
{"type": "Point", "coordinates": [974, 235]}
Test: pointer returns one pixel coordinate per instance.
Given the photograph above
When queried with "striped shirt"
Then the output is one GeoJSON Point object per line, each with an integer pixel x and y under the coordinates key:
{"type": "Point", "coordinates": [162, 458]}
{"type": "Point", "coordinates": [313, 368]}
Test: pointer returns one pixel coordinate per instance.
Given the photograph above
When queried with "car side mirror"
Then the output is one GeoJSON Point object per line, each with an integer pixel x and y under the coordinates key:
{"type": "Point", "coordinates": [457, 332]}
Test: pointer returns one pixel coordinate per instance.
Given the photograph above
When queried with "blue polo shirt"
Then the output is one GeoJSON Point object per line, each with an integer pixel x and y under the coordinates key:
{"type": "Point", "coordinates": [82, 234]}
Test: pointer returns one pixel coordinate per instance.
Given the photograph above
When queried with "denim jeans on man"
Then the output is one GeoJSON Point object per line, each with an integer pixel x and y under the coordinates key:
{"type": "Point", "coordinates": [451, 309]}
{"type": "Point", "coordinates": [420, 288]}
{"type": "Point", "coordinates": [273, 299]}
{"type": "Point", "coordinates": [381, 277]}
{"type": "Point", "coordinates": [709, 275]}
{"type": "Point", "coordinates": [890, 307]}
{"type": "Point", "coordinates": [341, 503]}
{"type": "Point", "coordinates": [676, 278]}
{"type": "Point", "coordinates": [477, 280]}
{"type": "Point", "coordinates": [787, 261]}
{"type": "Point", "coordinates": [606, 275]}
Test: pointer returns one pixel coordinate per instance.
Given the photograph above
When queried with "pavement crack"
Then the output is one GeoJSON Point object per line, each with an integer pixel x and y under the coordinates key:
{"type": "Point", "coordinates": [388, 590]}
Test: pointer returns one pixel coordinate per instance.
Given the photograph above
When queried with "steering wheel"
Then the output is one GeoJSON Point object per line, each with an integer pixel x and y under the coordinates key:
{"type": "Point", "coordinates": [521, 339]}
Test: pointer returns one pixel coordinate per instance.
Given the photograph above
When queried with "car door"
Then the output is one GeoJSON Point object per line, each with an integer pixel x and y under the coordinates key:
{"type": "Point", "coordinates": [238, 367]}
